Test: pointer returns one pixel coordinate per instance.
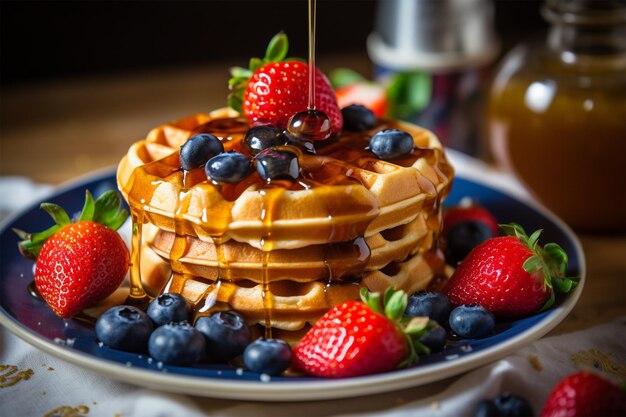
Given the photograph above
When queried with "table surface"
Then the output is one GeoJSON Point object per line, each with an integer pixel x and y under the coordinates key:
{"type": "Point", "coordinates": [53, 133]}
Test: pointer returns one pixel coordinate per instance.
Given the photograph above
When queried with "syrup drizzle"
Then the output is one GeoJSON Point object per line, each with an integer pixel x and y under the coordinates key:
{"type": "Point", "coordinates": [312, 24]}
{"type": "Point", "coordinates": [271, 197]}
{"type": "Point", "coordinates": [137, 295]}
{"type": "Point", "coordinates": [310, 125]}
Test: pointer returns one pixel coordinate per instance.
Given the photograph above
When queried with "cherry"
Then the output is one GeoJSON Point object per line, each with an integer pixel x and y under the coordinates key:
{"type": "Point", "coordinates": [309, 125]}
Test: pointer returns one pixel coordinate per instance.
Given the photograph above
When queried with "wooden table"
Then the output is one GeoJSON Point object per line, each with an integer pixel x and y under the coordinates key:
{"type": "Point", "coordinates": [53, 133]}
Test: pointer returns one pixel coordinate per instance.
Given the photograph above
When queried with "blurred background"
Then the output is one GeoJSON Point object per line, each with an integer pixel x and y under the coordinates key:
{"type": "Point", "coordinates": [45, 41]}
{"type": "Point", "coordinates": [90, 77]}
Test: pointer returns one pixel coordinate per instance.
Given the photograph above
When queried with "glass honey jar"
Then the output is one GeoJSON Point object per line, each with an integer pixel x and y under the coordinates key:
{"type": "Point", "coordinates": [557, 114]}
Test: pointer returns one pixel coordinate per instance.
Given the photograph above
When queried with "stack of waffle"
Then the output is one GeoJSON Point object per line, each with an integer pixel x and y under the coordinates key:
{"type": "Point", "coordinates": [282, 253]}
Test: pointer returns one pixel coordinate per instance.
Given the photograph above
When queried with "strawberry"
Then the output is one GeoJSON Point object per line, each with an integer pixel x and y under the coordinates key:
{"type": "Point", "coordinates": [368, 94]}
{"type": "Point", "coordinates": [360, 338]}
{"type": "Point", "coordinates": [273, 89]}
{"type": "Point", "coordinates": [585, 394]}
{"type": "Point", "coordinates": [512, 276]}
{"type": "Point", "coordinates": [79, 264]}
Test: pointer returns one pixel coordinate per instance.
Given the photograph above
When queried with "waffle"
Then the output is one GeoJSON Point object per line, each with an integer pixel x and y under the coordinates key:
{"type": "Point", "coordinates": [283, 253]}
{"type": "Point", "coordinates": [241, 261]}
{"type": "Point", "coordinates": [293, 304]}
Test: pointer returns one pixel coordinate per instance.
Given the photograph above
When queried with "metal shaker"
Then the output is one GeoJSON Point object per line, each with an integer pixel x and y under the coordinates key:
{"type": "Point", "coordinates": [436, 56]}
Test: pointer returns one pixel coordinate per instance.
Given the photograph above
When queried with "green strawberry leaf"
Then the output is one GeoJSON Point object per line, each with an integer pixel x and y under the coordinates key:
{"type": "Point", "coordinates": [393, 305]}
{"type": "Point", "coordinates": [412, 357]}
{"type": "Point", "coordinates": [254, 64]}
{"type": "Point", "coordinates": [389, 292]}
{"type": "Point", "coordinates": [420, 348]}
{"type": "Point", "coordinates": [105, 210]}
{"type": "Point", "coordinates": [341, 77]}
{"type": "Point", "coordinates": [394, 308]}
{"type": "Point", "coordinates": [277, 48]}
{"type": "Point", "coordinates": [415, 347]}
{"type": "Point", "coordinates": [372, 300]}
{"type": "Point", "coordinates": [21, 234]}
{"type": "Point", "coordinates": [57, 213]}
{"type": "Point", "coordinates": [533, 264]}
{"type": "Point", "coordinates": [235, 102]}
{"type": "Point", "coordinates": [236, 83]}
{"type": "Point", "coordinates": [31, 244]}
{"type": "Point", "coordinates": [549, 303]}
{"type": "Point", "coordinates": [41, 237]}
{"type": "Point", "coordinates": [118, 220]}
{"type": "Point", "coordinates": [555, 255]}
{"type": "Point", "coordinates": [417, 326]}
{"type": "Point", "coordinates": [533, 239]}
{"type": "Point", "coordinates": [239, 72]}
{"type": "Point", "coordinates": [551, 259]}
{"type": "Point", "coordinates": [514, 229]}
{"type": "Point", "coordinates": [564, 285]}
{"type": "Point", "coordinates": [88, 209]}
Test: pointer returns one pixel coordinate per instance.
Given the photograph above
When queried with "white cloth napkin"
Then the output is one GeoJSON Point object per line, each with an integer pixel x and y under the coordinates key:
{"type": "Point", "coordinates": [33, 383]}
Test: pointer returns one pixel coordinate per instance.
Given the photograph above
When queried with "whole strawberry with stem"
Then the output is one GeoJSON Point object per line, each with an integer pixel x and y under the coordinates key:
{"type": "Point", "coordinates": [585, 394]}
{"type": "Point", "coordinates": [512, 276]}
{"type": "Point", "coordinates": [362, 337]}
{"type": "Point", "coordinates": [274, 88]}
{"type": "Point", "coordinates": [81, 263]}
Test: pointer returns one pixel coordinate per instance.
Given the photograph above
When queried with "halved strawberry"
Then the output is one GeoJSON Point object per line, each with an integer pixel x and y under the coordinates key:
{"type": "Point", "coordinates": [274, 88]}
{"type": "Point", "coordinates": [79, 264]}
{"type": "Point", "coordinates": [360, 338]}
{"type": "Point", "coordinates": [512, 276]}
{"type": "Point", "coordinates": [368, 94]}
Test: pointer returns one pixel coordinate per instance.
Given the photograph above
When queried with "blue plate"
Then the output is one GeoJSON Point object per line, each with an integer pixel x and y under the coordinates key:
{"type": "Point", "coordinates": [75, 341]}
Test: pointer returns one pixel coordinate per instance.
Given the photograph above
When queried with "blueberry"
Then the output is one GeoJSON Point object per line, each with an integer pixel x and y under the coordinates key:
{"type": "Point", "coordinates": [486, 408]}
{"type": "Point", "coordinates": [228, 167]}
{"type": "Point", "coordinates": [198, 149]}
{"type": "Point", "coordinates": [176, 344]}
{"type": "Point", "coordinates": [463, 237]}
{"type": "Point", "coordinates": [168, 307]}
{"type": "Point", "coordinates": [226, 334]}
{"type": "Point", "coordinates": [472, 321]}
{"type": "Point", "coordinates": [275, 164]}
{"type": "Point", "coordinates": [511, 405]}
{"type": "Point", "coordinates": [505, 405]}
{"type": "Point", "coordinates": [391, 143]}
{"type": "Point", "coordinates": [267, 356]}
{"type": "Point", "coordinates": [125, 328]}
{"type": "Point", "coordinates": [358, 118]}
{"type": "Point", "coordinates": [434, 305]}
{"type": "Point", "coordinates": [260, 138]}
{"type": "Point", "coordinates": [435, 339]}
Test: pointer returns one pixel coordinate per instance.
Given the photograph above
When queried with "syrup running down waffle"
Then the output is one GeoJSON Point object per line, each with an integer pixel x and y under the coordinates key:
{"type": "Point", "coordinates": [283, 252]}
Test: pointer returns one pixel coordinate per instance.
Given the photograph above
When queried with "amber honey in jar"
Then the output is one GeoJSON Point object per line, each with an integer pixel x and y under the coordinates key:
{"type": "Point", "coordinates": [557, 114]}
